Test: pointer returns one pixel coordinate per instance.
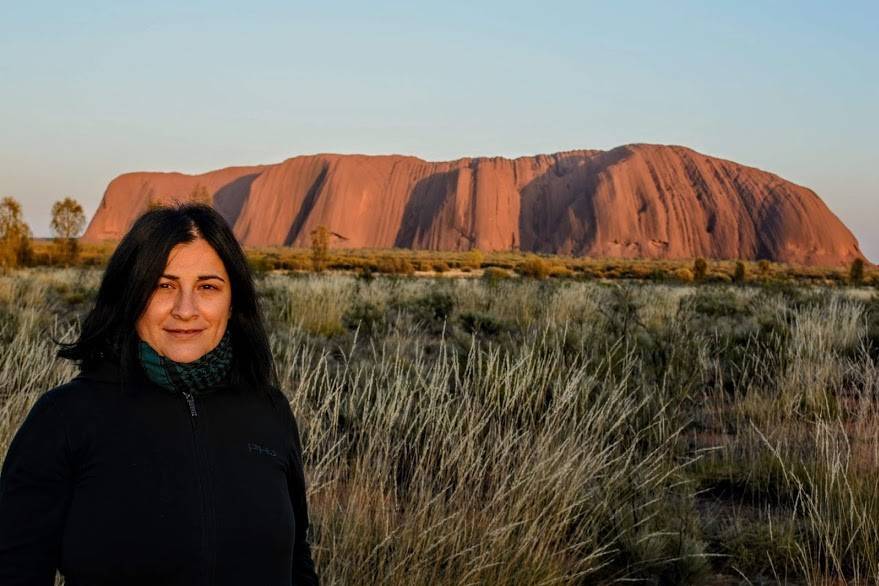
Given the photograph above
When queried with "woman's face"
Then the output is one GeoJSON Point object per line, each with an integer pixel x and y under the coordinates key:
{"type": "Point", "coordinates": [187, 314]}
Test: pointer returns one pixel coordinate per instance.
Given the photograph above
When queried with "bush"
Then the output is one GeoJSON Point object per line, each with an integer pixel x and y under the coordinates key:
{"type": "Point", "coordinates": [722, 278]}
{"type": "Point", "coordinates": [741, 274]}
{"type": "Point", "coordinates": [714, 303]}
{"type": "Point", "coordinates": [533, 266]}
{"type": "Point", "coordinates": [474, 259]}
{"type": "Point", "coordinates": [295, 263]}
{"type": "Point", "coordinates": [856, 272]}
{"type": "Point", "coordinates": [366, 274]}
{"type": "Point", "coordinates": [658, 275]}
{"type": "Point", "coordinates": [700, 269]}
{"type": "Point", "coordinates": [684, 275]}
{"type": "Point", "coordinates": [261, 264]}
{"type": "Point", "coordinates": [433, 308]}
{"type": "Point", "coordinates": [481, 323]}
{"type": "Point", "coordinates": [440, 267]}
{"type": "Point", "coordinates": [494, 274]}
{"type": "Point", "coordinates": [366, 316]}
{"type": "Point", "coordinates": [561, 272]}
{"type": "Point", "coordinates": [395, 265]}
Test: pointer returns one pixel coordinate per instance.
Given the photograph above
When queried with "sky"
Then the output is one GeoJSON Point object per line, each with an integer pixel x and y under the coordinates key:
{"type": "Point", "coordinates": [91, 90]}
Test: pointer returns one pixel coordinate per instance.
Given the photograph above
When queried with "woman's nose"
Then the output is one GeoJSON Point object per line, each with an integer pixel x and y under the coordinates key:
{"type": "Point", "coordinates": [184, 305]}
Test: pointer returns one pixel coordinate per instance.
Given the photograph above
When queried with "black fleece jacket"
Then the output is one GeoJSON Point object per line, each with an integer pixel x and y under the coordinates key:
{"type": "Point", "coordinates": [132, 485]}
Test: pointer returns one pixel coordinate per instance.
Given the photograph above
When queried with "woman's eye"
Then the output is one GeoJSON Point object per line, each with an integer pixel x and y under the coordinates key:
{"type": "Point", "coordinates": [164, 285]}
{"type": "Point", "coordinates": [209, 286]}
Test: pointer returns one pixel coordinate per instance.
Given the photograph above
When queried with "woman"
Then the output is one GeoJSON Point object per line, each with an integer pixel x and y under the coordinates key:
{"type": "Point", "coordinates": [172, 458]}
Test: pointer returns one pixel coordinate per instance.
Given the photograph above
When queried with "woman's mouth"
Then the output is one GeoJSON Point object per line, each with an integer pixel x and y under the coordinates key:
{"type": "Point", "coordinates": [184, 334]}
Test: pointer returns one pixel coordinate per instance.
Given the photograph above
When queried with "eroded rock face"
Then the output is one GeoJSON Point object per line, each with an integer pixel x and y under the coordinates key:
{"type": "Point", "coordinates": [633, 201]}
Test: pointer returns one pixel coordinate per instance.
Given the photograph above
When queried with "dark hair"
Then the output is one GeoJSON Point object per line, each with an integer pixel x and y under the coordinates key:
{"type": "Point", "coordinates": [134, 269]}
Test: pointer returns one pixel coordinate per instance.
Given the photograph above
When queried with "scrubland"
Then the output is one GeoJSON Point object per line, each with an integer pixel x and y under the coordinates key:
{"type": "Point", "coordinates": [564, 431]}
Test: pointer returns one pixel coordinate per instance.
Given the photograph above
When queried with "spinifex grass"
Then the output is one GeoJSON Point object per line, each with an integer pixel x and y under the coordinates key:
{"type": "Point", "coordinates": [511, 431]}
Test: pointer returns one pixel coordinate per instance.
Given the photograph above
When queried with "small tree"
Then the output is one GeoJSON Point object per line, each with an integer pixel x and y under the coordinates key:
{"type": "Point", "coordinates": [200, 194]}
{"type": "Point", "coordinates": [15, 235]}
{"type": "Point", "coordinates": [856, 272]}
{"type": "Point", "coordinates": [700, 269]}
{"type": "Point", "coordinates": [764, 266]}
{"type": "Point", "coordinates": [67, 222]}
{"type": "Point", "coordinates": [320, 248]}
{"type": "Point", "coordinates": [741, 274]}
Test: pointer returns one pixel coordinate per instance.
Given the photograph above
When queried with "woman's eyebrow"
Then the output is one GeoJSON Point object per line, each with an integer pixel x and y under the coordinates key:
{"type": "Point", "coordinates": [199, 278]}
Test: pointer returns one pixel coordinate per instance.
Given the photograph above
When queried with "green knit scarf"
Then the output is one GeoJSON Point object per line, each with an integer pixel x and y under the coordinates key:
{"type": "Point", "coordinates": [194, 377]}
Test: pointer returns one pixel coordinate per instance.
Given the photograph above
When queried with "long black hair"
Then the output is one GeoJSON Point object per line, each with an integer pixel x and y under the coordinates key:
{"type": "Point", "coordinates": [134, 269]}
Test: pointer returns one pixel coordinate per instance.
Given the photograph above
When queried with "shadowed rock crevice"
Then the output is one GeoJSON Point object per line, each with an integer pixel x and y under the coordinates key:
{"type": "Point", "coordinates": [230, 198]}
{"type": "Point", "coordinates": [307, 206]}
{"type": "Point", "coordinates": [423, 211]}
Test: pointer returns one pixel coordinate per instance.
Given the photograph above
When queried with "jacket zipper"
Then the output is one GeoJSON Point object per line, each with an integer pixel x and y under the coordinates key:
{"type": "Point", "coordinates": [191, 402]}
{"type": "Point", "coordinates": [201, 465]}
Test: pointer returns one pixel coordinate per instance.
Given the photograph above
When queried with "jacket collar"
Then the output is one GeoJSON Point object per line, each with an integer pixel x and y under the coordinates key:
{"type": "Point", "coordinates": [110, 372]}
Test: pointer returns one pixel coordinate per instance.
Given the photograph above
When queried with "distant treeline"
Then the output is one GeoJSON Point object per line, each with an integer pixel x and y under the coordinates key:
{"type": "Point", "coordinates": [18, 248]}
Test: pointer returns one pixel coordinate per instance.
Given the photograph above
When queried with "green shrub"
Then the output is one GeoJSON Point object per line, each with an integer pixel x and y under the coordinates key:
{"type": "Point", "coordinates": [368, 317]}
{"type": "Point", "coordinates": [366, 274]}
{"type": "Point", "coordinates": [435, 307]}
{"type": "Point", "coordinates": [658, 274]}
{"type": "Point", "coordinates": [261, 264]}
{"type": "Point", "coordinates": [856, 272]}
{"type": "Point", "coordinates": [741, 273]}
{"type": "Point", "coordinates": [295, 263]}
{"type": "Point", "coordinates": [713, 302]}
{"type": "Point", "coordinates": [482, 323]}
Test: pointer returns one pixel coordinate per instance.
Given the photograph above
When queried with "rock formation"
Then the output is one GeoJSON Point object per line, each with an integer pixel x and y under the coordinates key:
{"type": "Point", "coordinates": [633, 201]}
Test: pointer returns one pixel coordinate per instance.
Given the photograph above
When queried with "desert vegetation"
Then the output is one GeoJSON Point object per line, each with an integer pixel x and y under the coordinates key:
{"type": "Point", "coordinates": [502, 430]}
{"type": "Point", "coordinates": [473, 263]}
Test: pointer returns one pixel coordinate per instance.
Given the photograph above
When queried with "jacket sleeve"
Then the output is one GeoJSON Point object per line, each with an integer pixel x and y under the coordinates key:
{"type": "Point", "coordinates": [303, 566]}
{"type": "Point", "coordinates": [35, 488]}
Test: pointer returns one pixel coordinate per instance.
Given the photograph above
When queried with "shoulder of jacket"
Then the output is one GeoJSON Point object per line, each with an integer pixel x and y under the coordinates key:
{"type": "Point", "coordinates": [282, 404]}
{"type": "Point", "coordinates": [52, 407]}
{"type": "Point", "coordinates": [69, 391]}
{"type": "Point", "coordinates": [72, 395]}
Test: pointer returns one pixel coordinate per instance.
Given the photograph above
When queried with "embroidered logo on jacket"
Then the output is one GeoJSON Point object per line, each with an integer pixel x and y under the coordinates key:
{"type": "Point", "coordinates": [260, 450]}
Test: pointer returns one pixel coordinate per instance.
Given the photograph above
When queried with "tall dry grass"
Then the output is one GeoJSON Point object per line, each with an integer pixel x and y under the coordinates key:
{"type": "Point", "coordinates": [514, 431]}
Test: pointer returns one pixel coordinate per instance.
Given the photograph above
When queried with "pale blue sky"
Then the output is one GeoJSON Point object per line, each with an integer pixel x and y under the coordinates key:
{"type": "Point", "coordinates": [94, 89]}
